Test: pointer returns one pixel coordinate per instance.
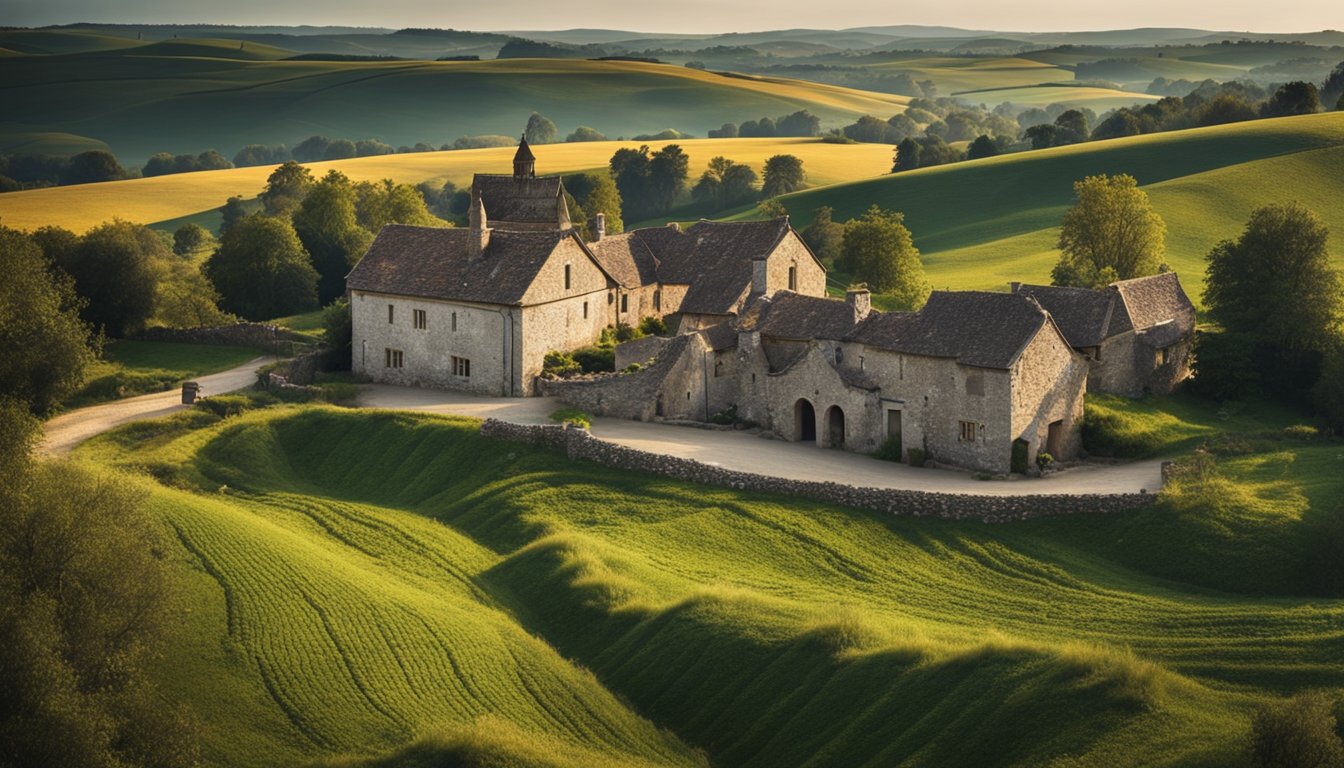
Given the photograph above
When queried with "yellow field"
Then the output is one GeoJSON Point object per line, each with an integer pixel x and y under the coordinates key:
{"type": "Point", "coordinates": [1097, 99]}
{"type": "Point", "coordinates": [163, 198]}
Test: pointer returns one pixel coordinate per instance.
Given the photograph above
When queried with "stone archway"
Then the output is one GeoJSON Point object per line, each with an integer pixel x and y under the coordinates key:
{"type": "Point", "coordinates": [804, 421]}
{"type": "Point", "coordinates": [835, 427]}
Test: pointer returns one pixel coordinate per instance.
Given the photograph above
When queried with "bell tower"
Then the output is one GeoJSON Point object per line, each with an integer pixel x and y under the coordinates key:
{"type": "Point", "coordinates": [524, 163]}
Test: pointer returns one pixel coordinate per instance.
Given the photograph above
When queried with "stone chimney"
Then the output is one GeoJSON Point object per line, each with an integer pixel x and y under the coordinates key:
{"type": "Point", "coordinates": [599, 227]}
{"type": "Point", "coordinates": [1014, 287]}
{"type": "Point", "coordinates": [478, 228]}
{"type": "Point", "coordinates": [861, 299]}
{"type": "Point", "coordinates": [759, 272]}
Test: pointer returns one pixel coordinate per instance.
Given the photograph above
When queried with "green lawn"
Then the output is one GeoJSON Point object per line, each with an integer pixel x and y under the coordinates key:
{"type": "Point", "coordinates": [130, 368]}
{"type": "Point", "coordinates": [309, 323]}
{"type": "Point", "coordinates": [353, 581]}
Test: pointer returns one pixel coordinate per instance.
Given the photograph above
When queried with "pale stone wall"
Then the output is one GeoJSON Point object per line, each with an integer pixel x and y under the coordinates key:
{"type": "Point", "coordinates": [1048, 384]}
{"type": "Point", "coordinates": [814, 379]}
{"type": "Point", "coordinates": [1113, 369]}
{"type": "Point", "coordinates": [1164, 378]}
{"type": "Point", "coordinates": [556, 318]}
{"type": "Point", "coordinates": [486, 335]}
{"type": "Point", "coordinates": [791, 252]}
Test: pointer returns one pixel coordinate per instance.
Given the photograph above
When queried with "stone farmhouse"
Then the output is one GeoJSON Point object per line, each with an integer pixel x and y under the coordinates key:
{"type": "Point", "coordinates": [477, 308]}
{"type": "Point", "coordinates": [986, 381]}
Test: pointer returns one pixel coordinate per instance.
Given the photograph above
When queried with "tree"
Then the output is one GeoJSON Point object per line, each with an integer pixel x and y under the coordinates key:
{"type": "Point", "coordinates": [1226, 108]}
{"type": "Point", "coordinates": [340, 149]}
{"type": "Point", "coordinates": [668, 169]}
{"type": "Point", "coordinates": [1332, 90]}
{"type": "Point", "coordinates": [184, 298]}
{"type": "Point", "coordinates": [1071, 127]}
{"type": "Point", "coordinates": [261, 270]}
{"type": "Point", "coordinates": [726, 131]}
{"type": "Point", "coordinates": [783, 174]}
{"type": "Point", "coordinates": [260, 154]}
{"type": "Point", "coordinates": [868, 129]}
{"type": "Point", "coordinates": [92, 166]}
{"type": "Point", "coordinates": [879, 250]}
{"type": "Point", "coordinates": [232, 211]}
{"type": "Point", "coordinates": [311, 149]}
{"type": "Point", "coordinates": [386, 202]}
{"type": "Point", "coordinates": [824, 235]}
{"type": "Point", "coordinates": [630, 169]}
{"type": "Point", "coordinates": [584, 133]}
{"type": "Point", "coordinates": [983, 146]}
{"type": "Point", "coordinates": [326, 225]}
{"type": "Point", "coordinates": [1111, 233]}
{"type": "Point", "coordinates": [1328, 397]}
{"type": "Point", "coordinates": [211, 160]}
{"type": "Point", "coordinates": [595, 193]}
{"type": "Point", "coordinates": [1121, 123]}
{"type": "Point", "coordinates": [285, 188]}
{"type": "Point", "coordinates": [158, 164]}
{"type": "Point", "coordinates": [540, 130]}
{"type": "Point", "coordinates": [801, 123]}
{"type": "Point", "coordinates": [48, 347]}
{"type": "Point", "coordinates": [934, 151]}
{"type": "Point", "coordinates": [1295, 98]}
{"type": "Point", "coordinates": [1297, 733]}
{"type": "Point", "coordinates": [190, 238]}
{"type": "Point", "coordinates": [338, 331]}
{"type": "Point", "coordinates": [116, 268]}
{"type": "Point", "coordinates": [372, 148]}
{"type": "Point", "coordinates": [739, 185]}
{"type": "Point", "coordinates": [1042, 136]}
{"type": "Point", "coordinates": [907, 156]}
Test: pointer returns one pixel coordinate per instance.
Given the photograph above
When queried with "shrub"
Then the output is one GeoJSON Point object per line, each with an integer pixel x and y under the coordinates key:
{"type": "Point", "coordinates": [572, 416]}
{"type": "Point", "coordinates": [595, 359]}
{"type": "Point", "coordinates": [631, 368]}
{"type": "Point", "coordinates": [1044, 460]}
{"type": "Point", "coordinates": [1304, 432]}
{"type": "Point", "coordinates": [726, 416]}
{"type": "Point", "coordinates": [1297, 733]}
{"type": "Point", "coordinates": [225, 406]}
{"type": "Point", "coordinates": [890, 450]}
{"type": "Point", "coordinates": [560, 365]}
{"type": "Point", "coordinates": [626, 332]}
{"type": "Point", "coordinates": [653, 326]}
{"type": "Point", "coordinates": [917, 456]}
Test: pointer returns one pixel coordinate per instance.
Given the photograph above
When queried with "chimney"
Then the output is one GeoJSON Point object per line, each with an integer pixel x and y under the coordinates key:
{"type": "Point", "coordinates": [478, 228]}
{"type": "Point", "coordinates": [861, 299]}
{"type": "Point", "coordinates": [759, 269]}
{"type": "Point", "coordinates": [1014, 287]}
{"type": "Point", "coordinates": [599, 227]}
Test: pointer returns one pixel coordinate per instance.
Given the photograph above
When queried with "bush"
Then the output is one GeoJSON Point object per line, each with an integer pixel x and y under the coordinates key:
{"type": "Point", "coordinates": [917, 456]}
{"type": "Point", "coordinates": [595, 359]}
{"type": "Point", "coordinates": [337, 332]}
{"type": "Point", "coordinates": [631, 368]}
{"type": "Point", "coordinates": [560, 365]}
{"type": "Point", "coordinates": [653, 326]}
{"type": "Point", "coordinates": [726, 416]}
{"type": "Point", "coordinates": [1044, 460]}
{"type": "Point", "coordinates": [1297, 733]}
{"type": "Point", "coordinates": [225, 406]}
{"type": "Point", "coordinates": [626, 332]}
{"type": "Point", "coordinates": [889, 450]}
{"type": "Point", "coordinates": [572, 416]}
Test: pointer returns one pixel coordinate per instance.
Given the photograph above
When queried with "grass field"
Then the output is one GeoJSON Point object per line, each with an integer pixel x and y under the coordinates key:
{"type": "Point", "coordinates": [140, 104]}
{"type": "Point", "coordinates": [130, 368]}
{"type": "Point", "coordinates": [1098, 100]}
{"type": "Point", "coordinates": [984, 223]}
{"type": "Point", "coordinates": [354, 581]}
{"type": "Point", "coordinates": [170, 198]}
{"type": "Point", "coordinates": [953, 74]}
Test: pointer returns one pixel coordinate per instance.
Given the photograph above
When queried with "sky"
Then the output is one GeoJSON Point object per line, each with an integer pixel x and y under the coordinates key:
{"type": "Point", "coordinates": [704, 16]}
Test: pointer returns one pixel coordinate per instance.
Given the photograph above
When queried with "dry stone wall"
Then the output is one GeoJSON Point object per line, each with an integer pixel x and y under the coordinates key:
{"type": "Point", "coordinates": [579, 444]}
{"type": "Point", "coordinates": [236, 335]}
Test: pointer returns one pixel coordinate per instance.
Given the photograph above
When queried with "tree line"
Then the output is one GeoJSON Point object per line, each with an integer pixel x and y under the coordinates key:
{"type": "Point", "coordinates": [650, 183]}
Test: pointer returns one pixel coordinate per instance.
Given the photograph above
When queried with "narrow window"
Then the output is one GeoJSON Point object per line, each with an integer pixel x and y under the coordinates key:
{"type": "Point", "coordinates": [1164, 356]}
{"type": "Point", "coordinates": [566, 277]}
{"type": "Point", "coordinates": [718, 368]}
{"type": "Point", "coordinates": [900, 363]}
{"type": "Point", "coordinates": [625, 303]}
{"type": "Point", "coordinates": [454, 321]}
{"type": "Point", "coordinates": [967, 431]}
{"type": "Point", "coordinates": [392, 358]}
{"type": "Point", "coordinates": [461, 367]}
{"type": "Point", "coordinates": [585, 310]}
{"type": "Point", "coordinates": [793, 278]}
{"type": "Point", "coordinates": [390, 310]}
{"type": "Point", "coordinates": [658, 300]}
{"type": "Point", "coordinates": [420, 320]}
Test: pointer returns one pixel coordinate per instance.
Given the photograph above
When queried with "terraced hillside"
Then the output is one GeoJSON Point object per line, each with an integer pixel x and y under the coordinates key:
{"type": "Point", "coordinates": [168, 198]}
{"type": "Point", "coordinates": [984, 223]}
{"type": "Point", "coordinates": [355, 580]}
{"type": "Point", "coordinates": [141, 104]}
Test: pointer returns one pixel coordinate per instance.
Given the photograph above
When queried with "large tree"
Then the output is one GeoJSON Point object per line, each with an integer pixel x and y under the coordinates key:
{"type": "Point", "coordinates": [261, 270]}
{"type": "Point", "coordinates": [594, 193]}
{"type": "Point", "coordinates": [285, 188]}
{"type": "Point", "coordinates": [326, 225]}
{"type": "Point", "coordinates": [907, 156]}
{"type": "Point", "coordinates": [116, 268]}
{"type": "Point", "coordinates": [668, 169]}
{"type": "Point", "coordinates": [630, 169]}
{"type": "Point", "coordinates": [879, 250]}
{"type": "Point", "coordinates": [189, 238]}
{"type": "Point", "coordinates": [783, 174]}
{"type": "Point", "coordinates": [378, 204]}
{"type": "Point", "coordinates": [825, 236]}
{"type": "Point", "coordinates": [1295, 98]}
{"type": "Point", "coordinates": [1332, 90]}
{"type": "Point", "coordinates": [91, 166]}
{"type": "Point", "coordinates": [47, 346]}
{"type": "Point", "coordinates": [1111, 233]}
{"type": "Point", "coordinates": [540, 130]}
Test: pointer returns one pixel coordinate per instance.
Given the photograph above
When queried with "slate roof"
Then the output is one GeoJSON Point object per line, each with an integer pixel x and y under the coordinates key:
{"type": "Point", "coordinates": [797, 317]}
{"type": "Point", "coordinates": [434, 263]}
{"type": "Point", "coordinates": [1088, 317]}
{"type": "Point", "coordinates": [524, 152]}
{"type": "Point", "coordinates": [986, 330]}
{"type": "Point", "coordinates": [529, 200]}
{"type": "Point", "coordinates": [627, 259]}
{"type": "Point", "coordinates": [1157, 299]}
{"type": "Point", "coordinates": [714, 258]}
{"type": "Point", "coordinates": [1083, 315]}
{"type": "Point", "coordinates": [720, 337]}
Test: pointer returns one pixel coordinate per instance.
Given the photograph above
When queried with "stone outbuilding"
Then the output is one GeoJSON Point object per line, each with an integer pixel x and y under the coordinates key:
{"type": "Point", "coordinates": [1137, 334]}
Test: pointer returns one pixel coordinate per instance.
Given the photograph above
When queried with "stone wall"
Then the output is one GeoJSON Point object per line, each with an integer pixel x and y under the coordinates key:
{"type": "Point", "coordinates": [625, 395]}
{"type": "Point", "coordinates": [579, 444]}
{"type": "Point", "coordinates": [236, 335]}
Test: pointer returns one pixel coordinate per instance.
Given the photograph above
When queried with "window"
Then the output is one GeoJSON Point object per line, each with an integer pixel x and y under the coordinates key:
{"type": "Point", "coordinates": [454, 321]}
{"type": "Point", "coordinates": [625, 303]}
{"type": "Point", "coordinates": [585, 310]}
{"type": "Point", "coordinates": [390, 313]}
{"type": "Point", "coordinates": [1164, 356]}
{"type": "Point", "coordinates": [566, 277]}
{"type": "Point", "coordinates": [658, 300]}
{"type": "Point", "coordinates": [418, 319]}
{"type": "Point", "coordinates": [461, 367]}
{"type": "Point", "coordinates": [718, 368]}
{"type": "Point", "coordinates": [793, 278]}
{"type": "Point", "coordinates": [392, 358]}
{"type": "Point", "coordinates": [967, 431]}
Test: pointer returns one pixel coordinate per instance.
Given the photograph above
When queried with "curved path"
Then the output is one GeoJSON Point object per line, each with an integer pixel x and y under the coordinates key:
{"type": "Point", "coordinates": [70, 429]}
{"type": "Point", "coordinates": [746, 452]}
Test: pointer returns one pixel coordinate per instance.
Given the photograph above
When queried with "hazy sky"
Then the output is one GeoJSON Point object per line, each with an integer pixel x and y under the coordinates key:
{"type": "Point", "coordinates": [696, 15]}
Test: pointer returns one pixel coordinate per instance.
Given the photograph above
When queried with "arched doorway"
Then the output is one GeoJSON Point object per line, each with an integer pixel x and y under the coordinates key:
{"type": "Point", "coordinates": [804, 421]}
{"type": "Point", "coordinates": [835, 427]}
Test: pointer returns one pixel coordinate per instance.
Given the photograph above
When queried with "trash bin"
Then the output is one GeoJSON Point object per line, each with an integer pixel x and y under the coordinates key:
{"type": "Point", "coordinates": [189, 391]}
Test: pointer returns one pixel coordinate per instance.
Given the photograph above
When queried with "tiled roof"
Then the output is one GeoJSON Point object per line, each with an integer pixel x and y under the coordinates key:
{"type": "Point", "coordinates": [524, 152]}
{"type": "Point", "coordinates": [1162, 335]}
{"type": "Point", "coordinates": [794, 316]}
{"type": "Point", "coordinates": [720, 337]}
{"type": "Point", "coordinates": [714, 258]}
{"type": "Point", "coordinates": [1083, 315]}
{"type": "Point", "coordinates": [1157, 299]}
{"type": "Point", "coordinates": [627, 259]}
{"type": "Point", "coordinates": [530, 200]}
{"type": "Point", "coordinates": [435, 263]}
{"type": "Point", "coordinates": [986, 330]}
{"type": "Point", "coordinates": [1087, 317]}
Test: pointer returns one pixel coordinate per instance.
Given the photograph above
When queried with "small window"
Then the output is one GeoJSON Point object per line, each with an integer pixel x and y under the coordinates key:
{"type": "Point", "coordinates": [461, 367]}
{"type": "Point", "coordinates": [419, 320]}
{"type": "Point", "coordinates": [566, 277]}
{"type": "Point", "coordinates": [585, 310]}
{"type": "Point", "coordinates": [392, 358]}
{"type": "Point", "coordinates": [793, 278]}
{"type": "Point", "coordinates": [718, 368]}
{"type": "Point", "coordinates": [658, 300]}
{"type": "Point", "coordinates": [454, 321]}
{"type": "Point", "coordinates": [1163, 356]}
{"type": "Point", "coordinates": [967, 431]}
{"type": "Point", "coordinates": [391, 313]}
{"type": "Point", "coordinates": [625, 303]}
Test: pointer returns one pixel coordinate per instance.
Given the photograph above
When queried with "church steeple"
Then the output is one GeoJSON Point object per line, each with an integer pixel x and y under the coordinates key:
{"type": "Point", "coordinates": [524, 163]}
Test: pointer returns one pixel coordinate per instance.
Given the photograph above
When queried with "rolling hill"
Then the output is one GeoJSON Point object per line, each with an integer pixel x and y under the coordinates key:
{"type": "Point", "coordinates": [983, 223]}
{"type": "Point", "coordinates": [169, 198]}
{"type": "Point", "coordinates": [140, 105]}
{"type": "Point", "coordinates": [350, 581]}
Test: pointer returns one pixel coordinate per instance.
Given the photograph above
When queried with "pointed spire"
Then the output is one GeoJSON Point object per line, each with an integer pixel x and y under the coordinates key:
{"type": "Point", "coordinates": [524, 163]}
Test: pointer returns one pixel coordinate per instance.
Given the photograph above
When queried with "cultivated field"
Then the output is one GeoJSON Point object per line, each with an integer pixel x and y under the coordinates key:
{"type": "Point", "coordinates": [984, 223]}
{"type": "Point", "coordinates": [168, 198]}
{"type": "Point", "coordinates": [350, 581]}
{"type": "Point", "coordinates": [1098, 100]}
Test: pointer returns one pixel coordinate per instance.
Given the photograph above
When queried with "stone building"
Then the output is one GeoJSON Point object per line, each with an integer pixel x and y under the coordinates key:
{"type": "Point", "coordinates": [1137, 334]}
{"type": "Point", "coordinates": [478, 308]}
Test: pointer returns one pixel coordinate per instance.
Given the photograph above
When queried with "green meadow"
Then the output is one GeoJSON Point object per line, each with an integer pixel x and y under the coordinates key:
{"type": "Point", "coordinates": [377, 589]}
{"type": "Point", "coordinates": [129, 368]}
{"type": "Point", "coordinates": [984, 223]}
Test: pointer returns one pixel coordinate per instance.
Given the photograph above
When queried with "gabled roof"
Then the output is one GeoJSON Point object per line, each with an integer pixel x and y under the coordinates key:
{"type": "Point", "coordinates": [627, 259]}
{"type": "Point", "coordinates": [1087, 317]}
{"type": "Point", "coordinates": [528, 200]}
{"type": "Point", "coordinates": [986, 330]}
{"type": "Point", "coordinates": [714, 258]}
{"type": "Point", "coordinates": [720, 337]}
{"type": "Point", "coordinates": [1083, 315]}
{"type": "Point", "coordinates": [1157, 299]}
{"type": "Point", "coordinates": [796, 317]}
{"type": "Point", "coordinates": [434, 263]}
